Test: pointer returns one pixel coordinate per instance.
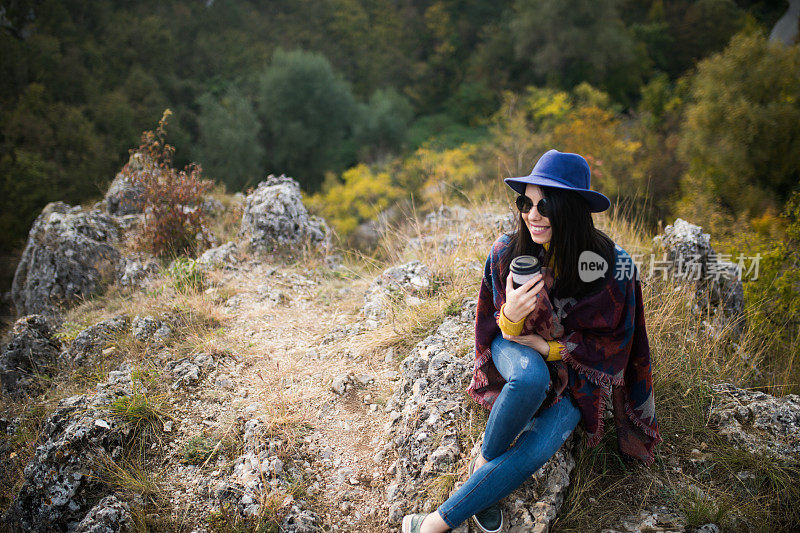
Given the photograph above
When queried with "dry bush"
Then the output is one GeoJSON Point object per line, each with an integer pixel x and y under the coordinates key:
{"type": "Point", "coordinates": [174, 221]}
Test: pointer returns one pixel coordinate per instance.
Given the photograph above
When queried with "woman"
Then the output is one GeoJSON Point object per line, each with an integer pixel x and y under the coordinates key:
{"type": "Point", "coordinates": [550, 352]}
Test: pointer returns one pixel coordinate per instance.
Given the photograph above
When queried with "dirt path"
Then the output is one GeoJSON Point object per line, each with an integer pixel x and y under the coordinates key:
{"type": "Point", "coordinates": [279, 321]}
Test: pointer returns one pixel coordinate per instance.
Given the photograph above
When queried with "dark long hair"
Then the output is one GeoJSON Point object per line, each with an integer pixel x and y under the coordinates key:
{"type": "Point", "coordinates": [573, 232]}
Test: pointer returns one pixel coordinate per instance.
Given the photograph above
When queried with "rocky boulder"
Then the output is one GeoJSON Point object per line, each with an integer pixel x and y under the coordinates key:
{"type": "Point", "coordinates": [90, 342]}
{"type": "Point", "coordinates": [132, 271]}
{"type": "Point", "coordinates": [428, 422]}
{"type": "Point", "coordinates": [653, 518]}
{"type": "Point", "coordinates": [408, 281]}
{"type": "Point", "coordinates": [62, 482]}
{"type": "Point", "coordinates": [70, 253]}
{"type": "Point", "coordinates": [147, 329]}
{"type": "Point", "coordinates": [758, 422]}
{"type": "Point", "coordinates": [275, 217]}
{"type": "Point", "coordinates": [691, 258]}
{"type": "Point", "coordinates": [110, 515]}
{"type": "Point", "coordinates": [224, 255]}
{"type": "Point", "coordinates": [31, 351]}
{"type": "Point", "coordinates": [123, 196]}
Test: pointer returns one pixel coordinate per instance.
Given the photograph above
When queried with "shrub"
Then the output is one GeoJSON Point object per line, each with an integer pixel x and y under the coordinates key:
{"type": "Point", "coordinates": [187, 276]}
{"type": "Point", "coordinates": [773, 296]}
{"type": "Point", "coordinates": [199, 449]}
{"type": "Point", "coordinates": [174, 221]}
{"type": "Point", "coordinates": [361, 196]}
{"type": "Point", "coordinates": [144, 414]}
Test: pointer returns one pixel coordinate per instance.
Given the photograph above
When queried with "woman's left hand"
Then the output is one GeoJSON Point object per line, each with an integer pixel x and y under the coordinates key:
{"type": "Point", "coordinates": [533, 340]}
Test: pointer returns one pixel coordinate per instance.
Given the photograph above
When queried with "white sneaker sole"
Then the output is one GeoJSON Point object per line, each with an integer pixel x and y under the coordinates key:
{"type": "Point", "coordinates": [502, 523]}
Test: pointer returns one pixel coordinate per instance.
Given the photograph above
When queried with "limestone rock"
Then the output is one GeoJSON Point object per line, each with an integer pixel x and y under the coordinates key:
{"type": "Point", "coordinates": [63, 479]}
{"type": "Point", "coordinates": [343, 383]}
{"type": "Point", "coordinates": [70, 253]}
{"type": "Point", "coordinates": [221, 256]}
{"type": "Point", "coordinates": [149, 330]}
{"type": "Point", "coordinates": [212, 206]}
{"type": "Point", "coordinates": [447, 215]}
{"type": "Point", "coordinates": [91, 341]}
{"type": "Point", "coordinates": [299, 520]}
{"type": "Point", "coordinates": [259, 471]}
{"type": "Point", "coordinates": [110, 515]}
{"type": "Point", "coordinates": [32, 350]}
{"type": "Point", "coordinates": [691, 258]}
{"type": "Point", "coordinates": [133, 270]}
{"type": "Point", "coordinates": [654, 519]}
{"type": "Point", "coordinates": [758, 422]}
{"type": "Point", "coordinates": [275, 217]}
{"type": "Point", "coordinates": [186, 372]}
{"type": "Point", "coordinates": [409, 279]}
{"type": "Point", "coordinates": [123, 197]}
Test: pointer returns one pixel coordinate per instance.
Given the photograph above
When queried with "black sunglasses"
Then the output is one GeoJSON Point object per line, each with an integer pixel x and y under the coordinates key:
{"type": "Point", "coordinates": [525, 204]}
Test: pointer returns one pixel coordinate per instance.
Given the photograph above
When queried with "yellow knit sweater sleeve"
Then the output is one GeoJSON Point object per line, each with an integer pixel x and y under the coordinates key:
{"type": "Point", "coordinates": [508, 327]}
{"type": "Point", "coordinates": [555, 351]}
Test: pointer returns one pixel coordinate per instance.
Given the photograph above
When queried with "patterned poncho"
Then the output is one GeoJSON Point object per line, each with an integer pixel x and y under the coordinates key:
{"type": "Point", "coordinates": [605, 350]}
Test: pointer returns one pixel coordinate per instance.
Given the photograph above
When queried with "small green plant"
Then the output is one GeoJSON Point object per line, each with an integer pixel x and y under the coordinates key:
{"type": "Point", "coordinates": [453, 308]}
{"type": "Point", "coordinates": [144, 413]}
{"type": "Point", "coordinates": [199, 450]}
{"type": "Point", "coordinates": [187, 276]}
{"type": "Point", "coordinates": [69, 331]}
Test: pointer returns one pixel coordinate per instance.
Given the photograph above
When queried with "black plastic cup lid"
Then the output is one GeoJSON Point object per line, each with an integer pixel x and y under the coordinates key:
{"type": "Point", "coordinates": [525, 264]}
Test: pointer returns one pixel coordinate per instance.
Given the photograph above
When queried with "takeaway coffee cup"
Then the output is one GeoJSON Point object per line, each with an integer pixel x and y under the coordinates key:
{"type": "Point", "coordinates": [523, 268]}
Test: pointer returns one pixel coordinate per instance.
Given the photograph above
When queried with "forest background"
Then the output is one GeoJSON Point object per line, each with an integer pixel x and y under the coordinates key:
{"type": "Point", "coordinates": [683, 108]}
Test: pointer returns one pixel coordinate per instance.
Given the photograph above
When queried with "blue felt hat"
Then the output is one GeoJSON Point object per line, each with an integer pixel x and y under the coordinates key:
{"type": "Point", "coordinates": [563, 171]}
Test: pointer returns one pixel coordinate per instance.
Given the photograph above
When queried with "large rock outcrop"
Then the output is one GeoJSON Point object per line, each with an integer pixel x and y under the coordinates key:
{"type": "Point", "coordinates": [428, 413]}
{"type": "Point", "coordinates": [124, 197]}
{"type": "Point", "coordinates": [70, 253]}
{"type": "Point", "coordinates": [691, 258]}
{"type": "Point", "coordinates": [63, 481]}
{"type": "Point", "coordinates": [758, 422]}
{"type": "Point", "coordinates": [275, 217]}
{"type": "Point", "coordinates": [32, 351]}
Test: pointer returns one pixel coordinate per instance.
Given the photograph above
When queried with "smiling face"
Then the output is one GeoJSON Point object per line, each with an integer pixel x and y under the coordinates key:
{"type": "Point", "coordinates": [538, 226]}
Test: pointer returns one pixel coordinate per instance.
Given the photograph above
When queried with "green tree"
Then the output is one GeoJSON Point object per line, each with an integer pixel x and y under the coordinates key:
{"type": "Point", "coordinates": [228, 147]}
{"type": "Point", "coordinates": [308, 114]}
{"type": "Point", "coordinates": [49, 151]}
{"type": "Point", "coordinates": [567, 42]}
{"type": "Point", "coordinates": [741, 136]}
{"type": "Point", "coordinates": [385, 124]}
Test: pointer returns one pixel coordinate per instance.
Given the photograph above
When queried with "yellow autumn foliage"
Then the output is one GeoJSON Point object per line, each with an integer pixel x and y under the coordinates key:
{"type": "Point", "coordinates": [358, 197]}
{"type": "Point", "coordinates": [434, 177]}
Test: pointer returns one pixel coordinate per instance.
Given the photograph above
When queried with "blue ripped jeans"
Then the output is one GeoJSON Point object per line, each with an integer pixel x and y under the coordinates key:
{"type": "Point", "coordinates": [527, 380]}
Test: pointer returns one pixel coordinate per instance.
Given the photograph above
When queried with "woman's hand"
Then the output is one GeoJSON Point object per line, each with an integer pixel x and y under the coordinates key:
{"type": "Point", "coordinates": [533, 340]}
{"type": "Point", "coordinates": [521, 301]}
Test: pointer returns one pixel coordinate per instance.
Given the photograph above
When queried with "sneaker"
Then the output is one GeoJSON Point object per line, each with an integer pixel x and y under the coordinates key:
{"type": "Point", "coordinates": [413, 522]}
{"type": "Point", "coordinates": [490, 520]}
